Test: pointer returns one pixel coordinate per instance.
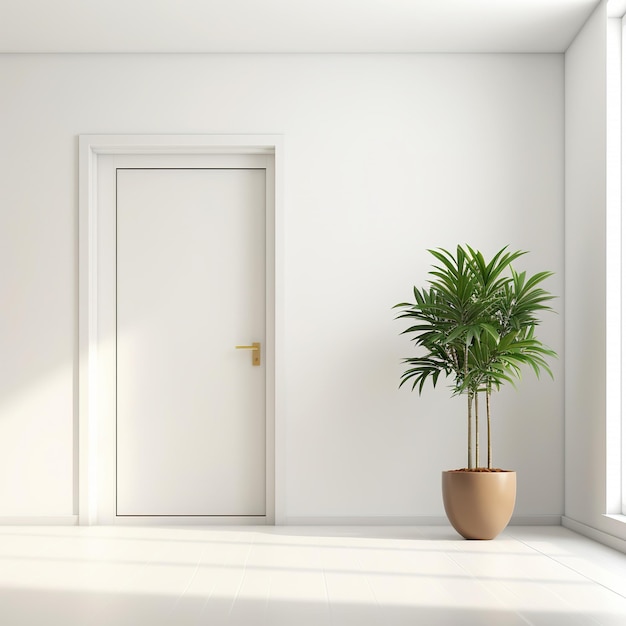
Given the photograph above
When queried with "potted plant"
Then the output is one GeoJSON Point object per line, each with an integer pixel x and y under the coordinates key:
{"type": "Point", "coordinates": [475, 325]}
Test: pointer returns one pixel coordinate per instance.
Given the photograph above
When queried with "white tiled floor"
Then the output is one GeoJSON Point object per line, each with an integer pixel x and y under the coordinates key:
{"type": "Point", "coordinates": [298, 576]}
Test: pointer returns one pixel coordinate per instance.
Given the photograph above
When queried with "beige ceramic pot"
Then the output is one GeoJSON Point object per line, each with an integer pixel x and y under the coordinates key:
{"type": "Point", "coordinates": [479, 505]}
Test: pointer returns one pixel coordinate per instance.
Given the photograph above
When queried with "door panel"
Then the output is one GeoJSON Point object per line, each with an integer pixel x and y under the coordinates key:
{"type": "Point", "coordinates": [190, 269]}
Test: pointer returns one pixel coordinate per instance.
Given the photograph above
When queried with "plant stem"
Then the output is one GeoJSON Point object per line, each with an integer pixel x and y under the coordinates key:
{"type": "Point", "coordinates": [488, 409]}
{"type": "Point", "coordinates": [476, 429]}
{"type": "Point", "coordinates": [469, 409]}
{"type": "Point", "coordinates": [469, 431]}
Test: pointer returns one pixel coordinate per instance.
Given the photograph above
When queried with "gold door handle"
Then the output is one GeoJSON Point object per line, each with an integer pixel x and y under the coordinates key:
{"type": "Point", "coordinates": [256, 352]}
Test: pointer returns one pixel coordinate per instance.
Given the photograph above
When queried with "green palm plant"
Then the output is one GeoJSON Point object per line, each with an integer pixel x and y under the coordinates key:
{"type": "Point", "coordinates": [475, 323]}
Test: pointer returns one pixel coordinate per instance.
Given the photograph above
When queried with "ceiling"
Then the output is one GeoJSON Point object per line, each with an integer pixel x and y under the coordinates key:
{"type": "Point", "coordinates": [295, 26]}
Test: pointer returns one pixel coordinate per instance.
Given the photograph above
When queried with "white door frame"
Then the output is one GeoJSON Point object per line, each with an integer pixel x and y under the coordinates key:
{"type": "Point", "coordinates": [90, 147]}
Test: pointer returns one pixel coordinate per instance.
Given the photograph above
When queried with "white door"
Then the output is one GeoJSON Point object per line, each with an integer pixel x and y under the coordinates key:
{"type": "Point", "coordinates": [190, 286]}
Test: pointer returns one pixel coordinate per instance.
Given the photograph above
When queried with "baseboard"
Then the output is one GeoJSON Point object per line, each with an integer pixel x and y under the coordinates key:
{"type": "Point", "coordinates": [382, 520]}
{"type": "Point", "coordinates": [38, 520]}
{"type": "Point", "coordinates": [375, 520]}
{"type": "Point", "coordinates": [419, 520]}
{"type": "Point", "coordinates": [535, 520]}
{"type": "Point", "coordinates": [593, 533]}
{"type": "Point", "coordinates": [192, 520]}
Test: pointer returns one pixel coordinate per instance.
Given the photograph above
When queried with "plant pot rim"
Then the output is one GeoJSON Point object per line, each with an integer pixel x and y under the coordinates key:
{"type": "Point", "coordinates": [481, 470]}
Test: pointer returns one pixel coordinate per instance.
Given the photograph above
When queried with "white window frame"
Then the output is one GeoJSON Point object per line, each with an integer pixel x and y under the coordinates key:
{"type": "Point", "coordinates": [615, 261]}
{"type": "Point", "coordinates": [620, 208]}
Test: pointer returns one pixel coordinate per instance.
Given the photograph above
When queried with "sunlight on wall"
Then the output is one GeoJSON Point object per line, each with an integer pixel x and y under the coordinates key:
{"type": "Point", "coordinates": [36, 446]}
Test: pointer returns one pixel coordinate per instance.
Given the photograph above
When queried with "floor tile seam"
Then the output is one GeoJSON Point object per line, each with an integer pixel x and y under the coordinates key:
{"type": "Point", "coordinates": [552, 594]}
{"type": "Point", "coordinates": [191, 579]}
{"type": "Point", "coordinates": [557, 594]}
{"type": "Point", "coordinates": [323, 570]}
{"type": "Point", "coordinates": [489, 591]}
{"type": "Point", "coordinates": [572, 569]}
{"type": "Point", "coordinates": [156, 550]}
{"type": "Point", "coordinates": [207, 599]}
{"type": "Point", "coordinates": [243, 576]}
{"type": "Point", "coordinates": [268, 596]}
{"type": "Point", "coordinates": [368, 581]}
{"type": "Point", "coordinates": [522, 611]}
{"type": "Point", "coordinates": [447, 556]}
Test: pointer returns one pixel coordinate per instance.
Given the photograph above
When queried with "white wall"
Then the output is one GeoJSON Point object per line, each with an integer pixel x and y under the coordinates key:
{"type": "Point", "coordinates": [386, 155]}
{"type": "Point", "coordinates": [585, 281]}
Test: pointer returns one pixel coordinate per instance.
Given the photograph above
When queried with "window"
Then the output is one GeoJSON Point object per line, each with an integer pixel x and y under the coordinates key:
{"type": "Point", "coordinates": [616, 260]}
